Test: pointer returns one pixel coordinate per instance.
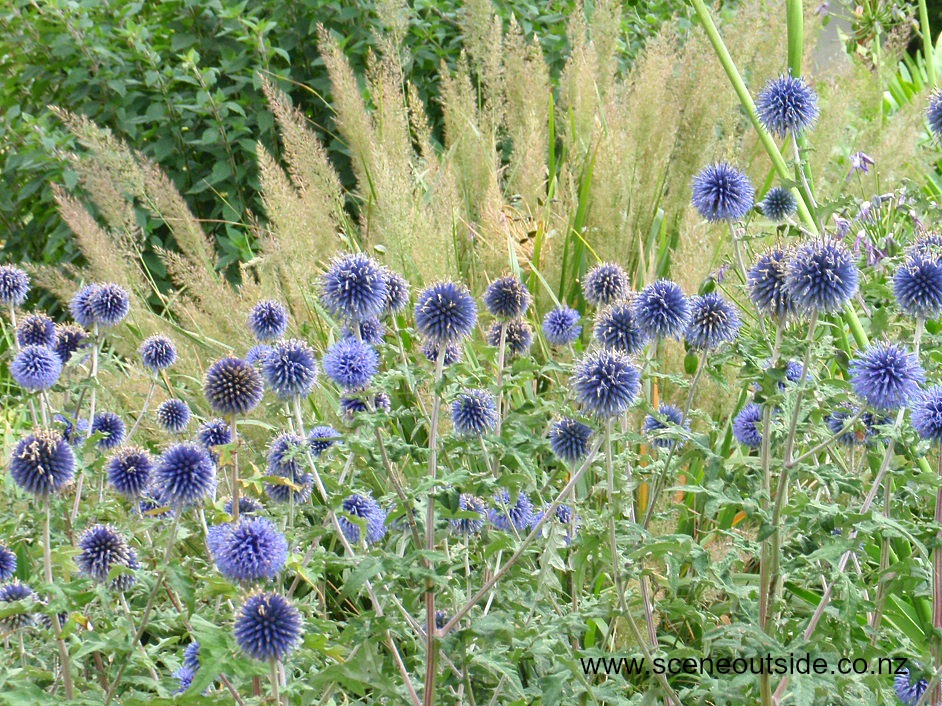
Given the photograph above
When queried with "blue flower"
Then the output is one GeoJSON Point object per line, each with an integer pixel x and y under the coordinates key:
{"type": "Point", "coordinates": [7, 564]}
{"type": "Point", "coordinates": [766, 284]}
{"type": "Point", "coordinates": [157, 353]}
{"type": "Point", "coordinates": [779, 203]}
{"type": "Point", "coordinates": [606, 383]}
{"type": "Point", "coordinates": [469, 525]}
{"type": "Point", "coordinates": [290, 369]}
{"type": "Point", "coordinates": [173, 415]}
{"type": "Point", "coordinates": [247, 506]}
{"type": "Point", "coordinates": [371, 331]}
{"type": "Point", "coordinates": [445, 313]}
{"type": "Point", "coordinates": [42, 463]}
{"type": "Point", "coordinates": [453, 353]}
{"type": "Point", "coordinates": [286, 459]}
{"type": "Point", "coordinates": [474, 413]}
{"type": "Point", "coordinates": [351, 363]}
{"type": "Point", "coordinates": [351, 405]}
{"type": "Point", "coordinates": [563, 516]}
{"type": "Point", "coordinates": [605, 284]}
{"type": "Point", "coordinates": [268, 627]}
{"type": "Point", "coordinates": [917, 285]}
{"type": "Point", "coordinates": [110, 303]}
{"type": "Point", "coordinates": [787, 105]}
{"type": "Point", "coordinates": [252, 550]}
{"type": "Point", "coordinates": [111, 427]}
{"type": "Point", "coordinates": [713, 321]}
{"type": "Point", "coordinates": [322, 438]}
{"type": "Point", "coordinates": [659, 426]}
{"type": "Point", "coordinates": [130, 471]}
{"type": "Point", "coordinates": [927, 414]}
{"type": "Point", "coordinates": [886, 376]}
{"type": "Point", "coordinates": [793, 371]}
{"type": "Point", "coordinates": [934, 113]}
{"type": "Point", "coordinates": [36, 368]}
{"type": "Point", "coordinates": [561, 326]}
{"type": "Point", "coordinates": [256, 354]}
{"type": "Point", "coordinates": [397, 292]}
{"type": "Point", "coordinates": [661, 310]}
{"type": "Point", "coordinates": [69, 338]}
{"type": "Point", "coordinates": [354, 288]}
{"type": "Point", "coordinates": [821, 276]}
{"type": "Point", "coordinates": [103, 548]}
{"type": "Point", "coordinates": [518, 336]}
{"type": "Point", "coordinates": [863, 431]}
{"type": "Point", "coordinates": [908, 690]}
{"type": "Point", "coordinates": [722, 193]}
{"type": "Point", "coordinates": [184, 677]}
{"type": "Point", "coordinates": [746, 427]}
{"type": "Point", "coordinates": [185, 474]}
{"type": "Point", "coordinates": [80, 306]}
{"type": "Point", "coordinates": [616, 328]}
{"type": "Point", "coordinates": [569, 439]}
{"type": "Point", "coordinates": [10, 593]}
{"type": "Point", "coordinates": [36, 330]}
{"type": "Point", "coordinates": [504, 515]}
{"type": "Point", "coordinates": [268, 320]}
{"type": "Point", "coordinates": [232, 387]}
{"type": "Point", "coordinates": [363, 507]}
{"type": "Point", "coordinates": [214, 432]}
{"type": "Point", "coordinates": [14, 285]}
{"type": "Point", "coordinates": [191, 656]}
{"type": "Point", "coordinates": [507, 298]}
{"type": "Point", "coordinates": [72, 433]}
{"type": "Point", "coordinates": [154, 503]}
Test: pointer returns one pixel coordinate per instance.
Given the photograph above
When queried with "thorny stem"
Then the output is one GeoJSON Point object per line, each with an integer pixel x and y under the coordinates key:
{"type": "Point", "coordinates": [430, 640]}
{"type": "Point", "coordinates": [500, 374]}
{"type": "Point", "coordinates": [235, 490]}
{"type": "Point", "coordinates": [275, 680]}
{"type": "Point", "coordinates": [66, 663]}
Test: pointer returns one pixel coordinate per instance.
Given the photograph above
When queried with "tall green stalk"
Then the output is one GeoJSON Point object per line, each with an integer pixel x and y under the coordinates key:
{"type": "Point", "coordinates": [795, 22]}
{"type": "Point", "coordinates": [927, 44]}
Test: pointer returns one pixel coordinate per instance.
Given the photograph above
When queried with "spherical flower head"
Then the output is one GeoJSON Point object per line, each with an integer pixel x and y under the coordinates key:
{"type": "Point", "coordinates": [605, 284]}
{"type": "Point", "coordinates": [268, 627]}
{"type": "Point", "coordinates": [365, 508]}
{"type": "Point", "coordinates": [821, 276]}
{"type": "Point", "coordinates": [268, 320]}
{"type": "Point", "coordinates": [561, 326]}
{"type": "Point", "coordinates": [793, 371]}
{"type": "Point", "coordinates": [606, 383]}
{"type": "Point", "coordinates": [7, 564]}
{"type": "Point", "coordinates": [290, 370]}
{"type": "Point", "coordinates": [185, 474]}
{"type": "Point", "coordinates": [232, 387]}
{"type": "Point", "coordinates": [505, 515]}
{"type": "Point", "coordinates": [112, 429]}
{"type": "Point", "coordinates": [661, 310]}
{"type": "Point", "coordinates": [322, 438]}
{"type": "Point", "coordinates": [69, 338]}
{"type": "Point", "coordinates": [787, 106]}
{"type": "Point", "coordinates": [286, 459]}
{"type": "Point", "coordinates": [767, 288]}
{"type": "Point", "coordinates": [80, 306]}
{"type": "Point", "coordinates": [397, 292]}
{"type": "Point", "coordinates": [154, 504]}
{"type": "Point", "coordinates": [157, 353]}
{"type": "Point", "coordinates": [855, 435]}
{"type": "Point", "coordinates": [453, 353]}
{"type": "Point", "coordinates": [934, 113]}
{"type": "Point", "coordinates": [214, 432]}
{"type": "Point", "coordinates": [474, 413]}
{"type": "Point", "coordinates": [445, 313]}
{"type": "Point", "coordinates": [247, 506]}
{"type": "Point", "coordinates": [563, 515]}
{"type": "Point", "coordinates": [253, 550]}
{"type": "Point", "coordinates": [191, 656]}
{"type": "Point", "coordinates": [469, 525]}
{"type": "Point", "coordinates": [173, 415]}
{"type": "Point", "coordinates": [908, 689]}
{"type": "Point", "coordinates": [36, 368]}
{"type": "Point", "coordinates": [518, 336]}
{"type": "Point", "coordinates": [14, 285]}
{"type": "Point", "coordinates": [10, 593]}
{"type": "Point", "coordinates": [352, 405]}
{"type": "Point", "coordinates": [617, 329]}
{"type": "Point", "coordinates": [110, 304]}
{"type": "Point", "coordinates": [778, 204]}
{"type": "Point", "coordinates": [569, 439]}
{"type": "Point", "coordinates": [36, 330]}
{"type": "Point", "coordinates": [256, 354]}
{"type": "Point", "coordinates": [71, 432]}
{"type": "Point", "coordinates": [917, 285]}
{"type": "Point", "coordinates": [659, 426]}
{"type": "Point", "coordinates": [351, 363]}
{"type": "Point", "coordinates": [184, 677]}
{"type": "Point", "coordinates": [713, 321]}
{"type": "Point", "coordinates": [371, 331]}
{"type": "Point", "coordinates": [103, 548]}
{"type": "Point", "coordinates": [130, 470]}
{"type": "Point", "coordinates": [886, 376]}
{"type": "Point", "coordinates": [354, 288]}
{"type": "Point", "coordinates": [42, 463]}
{"type": "Point", "coordinates": [722, 193]}
{"type": "Point", "coordinates": [746, 428]}
{"type": "Point", "coordinates": [507, 298]}
{"type": "Point", "coordinates": [927, 414]}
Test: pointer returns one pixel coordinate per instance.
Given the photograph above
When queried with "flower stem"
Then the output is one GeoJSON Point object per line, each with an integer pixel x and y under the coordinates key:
{"type": "Point", "coordinates": [937, 586]}
{"type": "Point", "coordinates": [927, 44]}
{"type": "Point", "coordinates": [66, 664]}
{"type": "Point", "coordinates": [147, 401]}
{"type": "Point", "coordinates": [235, 490]}
{"type": "Point", "coordinates": [500, 374]}
{"type": "Point", "coordinates": [275, 679]}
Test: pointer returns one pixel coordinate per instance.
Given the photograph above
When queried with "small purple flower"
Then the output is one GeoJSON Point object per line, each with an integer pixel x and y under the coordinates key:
{"type": "Point", "coordinates": [860, 162]}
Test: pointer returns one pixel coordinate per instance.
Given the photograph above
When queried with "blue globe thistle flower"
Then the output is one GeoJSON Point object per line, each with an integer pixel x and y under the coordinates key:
{"type": "Point", "coordinates": [367, 509]}
{"type": "Point", "coordinates": [103, 548]}
{"type": "Point", "coordinates": [173, 416]}
{"type": "Point", "coordinates": [157, 353]}
{"type": "Point", "coordinates": [713, 321]}
{"type": "Point", "coordinates": [7, 564]}
{"type": "Point", "coordinates": [518, 515]}
{"type": "Point", "coordinates": [191, 656]}
{"type": "Point", "coordinates": [927, 414]}
{"type": "Point", "coordinates": [908, 689]}
{"type": "Point", "coordinates": [659, 426]}
{"type": "Point", "coordinates": [787, 105]}
{"type": "Point", "coordinates": [453, 353]}
{"type": "Point", "coordinates": [351, 363]}
{"type": "Point", "coordinates": [80, 306]}
{"type": "Point", "coordinates": [562, 515]}
{"type": "Point", "coordinates": [605, 284]}
{"type": "Point", "coordinates": [268, 627]}
{"type": "Point", "coordinates": [606, 383]}
{"type": "Point", "coordinates": [469, 525]}
{"type": "Point", "coordinates": [561, 326]}
{"type": "Point", "coordinates": [661, 310]}
{"type": "Point", "coordinates": [917, 285]}
{"type": "Point", "coordinates": [474, 413]}
{"type": "Point", "coordinates": [722, 193]}
{"type": "Point", "coordinates": [69, 339]}
{"type": "Point", "coordinates": [216, 536]}
{"type": "Point", "coordinates": [934, 113]}
{"type": "Point", "coordinates": [214, 432]}
{"type": "Point", "coordinates": [247, 506]}
{"type": "Point", "coordinates": [42, 463]}
{"type": "Point", "coordinates": [507, 298]}
{"type": "Point", "coordinates": [110, 303]}
{"type": "Point", "coordinates": [354, 288]}
{"type": "Point", "coordinates": [371, 331]}
{"type": "Point", "coordinates": [185, 473]}
{"type": "Point", "coordinates": [290, 370]}
{"type": "Point", "coordinates": [746, 425]}
{"type": "Point", "coordinates": [862, 432]}
{"type": "Point", "coordinates": [36, 368]}
{"type": "Point", "coordinates": [616, 328]}
{"type": "Point", "coordinates": [518, 336]}
{"type": "Point", "coordinates": [445, 313]}
{"type": "Point", "coordinates": [232, 387]}
{"type": "Point", "coordinates": [569, 439]}
{"type": "Point", "coordinates": [184, 677]}
{"type": "Point", "coordinates": [767, 288]}
{"type": "Point", "coordinates": [322, 438]}
{"type": "Point", "coordinates": [71, 432]}
{"type": "Point", "coordinates": [10, 593]}
{"type": "Point", "coordinates": [778, 204]}
{"type": "Point", "coordinates": [397, 292]}
{"type": "Point", "coordinates": [793, 371]}
{"type": "Point", "coordinates": [154, 503]}
{"type": "Point", "coordinates": [112, 429]}
{"type": "Point", "coordinates": [821, 276]}
{"type": "Point", "coordinates": [351, 405]}
{"type": "Point", "coordinates": [252, 550]}
{"type": "Point", "coordinates": [886, 376]}
{"type": "Point", "coordinates": [36, 330]}
{"type": "Point", "coordinates": [257, 354]}
{"type": "Point", "coordinates": [14, 285]}
{"type": "Point", "coordinates": [286, 459]}
{"type": "Point", "coordinates": [130, 470]}
{"type": "Point", "coordinates": [268, 320]}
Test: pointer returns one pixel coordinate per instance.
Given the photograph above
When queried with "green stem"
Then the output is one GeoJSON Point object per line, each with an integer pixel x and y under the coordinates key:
{"type": "Point", "coordinates": [927, 45]}
{"type": "Point", "coordinates": [235, 490]}
{"type": "Point", "coordinates": [795, 22]}
{"type": "Point", "coordinates": [66, 663]}
{"type": "Point", "coordinates": [428, 697]}
{"type": "Point", "coordinates": [275, 679]}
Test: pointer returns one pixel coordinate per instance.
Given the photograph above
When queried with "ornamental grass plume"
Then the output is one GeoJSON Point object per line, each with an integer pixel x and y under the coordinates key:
{"type": "Point", "coordinates": [886, 376]}
{"type": "Point", "coordinates": [267, 627]}
{"type": "Point", "coordinates": [606, 283]}
{"type": "Point", "coordinates": [569, 439]}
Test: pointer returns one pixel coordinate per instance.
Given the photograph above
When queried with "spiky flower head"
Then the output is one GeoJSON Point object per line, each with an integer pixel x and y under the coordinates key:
{"type": "Point", "coordinates": [268, 320]}
{"type": "Point", "coordinates": [42, 463]}
{"type": "Point", "coordinates": [157, 353]}
{"type": "Point", "coordinates": [130, 470]}
{"type": "Point", "coordinates": [7, 563]}
{"type": "Point", "coordinates": [518, 336]}
{"type": "Point", "coordinates": [722, 193]}
{"type": "Point", "coordinates": [370, 331]}
{"type": "Point", "coordinates": [863, 431]}
{"type": "Point", "coordinates": [659, 426]}
{"type": "Point", "coordinates": [821, 276]}
{"type": "Point", "coordinates": [214, 432]}
{"type": "Point", "coordinates": [927, 414]}
{"type": "Point", "coordinates": [36, 330]}
{"type": "Point", "coordinates": [507, 298]}
{"type": "Point", "coordinates": [661, 310]}
{"type": "Point", "coordinates": [605, 284]}
{"type": "Point", "coordinates": [351, 363]}
{"type": "Point", "coordinates": [397, 292]}
{"type": "Point", "coordinates": [173, 415]}
{"type": "Point", "coordinates": [569, 439]}
{"type": "Point", "coordinates": [561, 326]}
{"type": "Point", "coordinates": [185, 474]}
{"type": "Point", "coordinates": [256, 354]}
{"type": "Point", "coordinates": [934, 113]}
{"type": "Point", "coordinates": [917, 285]}
{"type": "Point", "coordinates": [290, 370]}
{"type": "Point", "coordinates": [112, 429]}
{"type": "Point", "coordinates": [286, 459]}
{"type": "Point", "coordinates": [886, 376]}
{"type": "Point", "coordinates": [73, 433]}
{"type": "Point", "coordinates": [562, 515]}
{"type": "Point", "coordinates": [251, 550]}
{"type": "Point", "coordinates": [354, 288]}
{"type": "Point", "coordinates": [80, 306]}
{"type": "Point", "coordinates": [14, 285]}
{"type": "Point", "coordinates": [36, 368]}
{"type": "Point", "coordinates": [10, 593]}
{"type": "Point", "coordinates": [453, 353]}
{"type": "Point", "coordinates": [268, 627]}
{"type": "Point", "coordinates": [154, 504]}
{"type": "Point", "coordinates": [365, 508]}
{"type": "Point", "coordinates": [767, 288]}
{"type": "Point", "coordinates": [110, 304]}
{"type": "Point", "coordinates": [909, 690]}
{"type": "Point", "coordinates": [787, 106]}
{"type": "Point", "coordinates": [793, 371]}
{"type": "Point", "coordinates": [713, 321]}
{"type": "Point", "coordinates": [445, 313]}
{"type": "Point", "coordinates": [746, 425]}
{"type": "Point", "coordinates": [606, 383]}
{"type": "Point", "coordinates": [474, 413]}
{"type": "Point", "coordinates": [616, 328]}
{"type": "Point", "coordinates": [232, 387]}
{"type": "Point", "coordinates": [247, 506]}
{"type": "Point", "coordinates": [352, 405]}
{"type": "Point", "coordinates": [469, 525]}
{"type": "Point", "coordinates": [104, 548]}
{"type": "Point", "coordinates": [506, 515]}
{"type": "Point", "coordinates": [69, 339]}
{"type": "Point", "coordinates": [778, 204]}
{"type": "Point", "coordinates": [322, 438]}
